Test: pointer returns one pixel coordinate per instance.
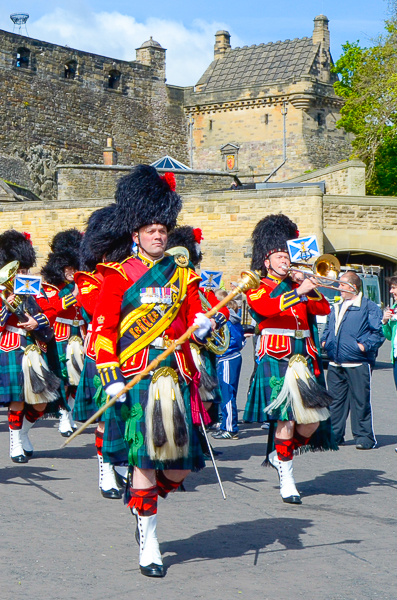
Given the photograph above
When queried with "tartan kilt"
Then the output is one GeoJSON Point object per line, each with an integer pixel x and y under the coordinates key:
{"type": "Point", "coordinates": [90, 394]}
{"type": "Point", "coordinates": [259, 395]}
{"type": "Point", "coordinates": [117, 450]}
{"type": "Point", "coordinates": [61, 348]}
{"type": "Point", "coordinates": [11, 378]}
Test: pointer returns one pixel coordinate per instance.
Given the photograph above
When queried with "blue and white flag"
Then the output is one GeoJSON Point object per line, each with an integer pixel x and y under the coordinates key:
{"type": "Point", "coordinates": [27, 284]}
{"type": "Point", "coordinates": [303, 249]}
{"type": "Point", "coordinates": [211, 279]}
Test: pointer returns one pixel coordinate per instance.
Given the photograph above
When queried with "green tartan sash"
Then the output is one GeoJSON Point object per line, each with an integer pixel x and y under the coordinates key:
{"type": "Point", "coordinates": [68, 289]}
{"type": "Point", "coordinates": [142, 323]}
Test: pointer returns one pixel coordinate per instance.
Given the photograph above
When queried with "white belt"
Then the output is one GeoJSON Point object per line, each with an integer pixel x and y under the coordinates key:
{"type": "Point", "coordinates": [74, 322]}
{"type": "Point", "coordinates": [89, 328]}
{"type": "Point", "coordinates": [299, 334]}
{"type": "Point", "coordinates": [17, 330]}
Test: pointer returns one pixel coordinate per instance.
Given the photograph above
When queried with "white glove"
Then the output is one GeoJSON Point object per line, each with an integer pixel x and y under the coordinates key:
{"type": "Point", "coordinates": [115, 388]}
{"type": "Point", "coordinates": [204, 326]}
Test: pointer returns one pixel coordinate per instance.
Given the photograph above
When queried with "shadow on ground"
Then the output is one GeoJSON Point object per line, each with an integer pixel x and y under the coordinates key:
{"type": "Point", "coordinates": [243, 538]}
{"type": "Point", "coordinates": [347, 482]}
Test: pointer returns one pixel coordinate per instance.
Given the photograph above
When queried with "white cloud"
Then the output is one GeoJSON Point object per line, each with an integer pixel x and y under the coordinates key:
{"type": "Point", "coordinates": [189, 49]}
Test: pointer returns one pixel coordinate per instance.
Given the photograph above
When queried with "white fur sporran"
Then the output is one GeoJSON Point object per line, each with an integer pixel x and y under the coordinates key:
{"type": "Point", "coordinates": [291, 395]}
{"type": "Point", "coordinates": [74, 359]}
{"type": "Point", "coordinates": [39, 384]}
{"type": "Point", "coordinates": [160, 414]}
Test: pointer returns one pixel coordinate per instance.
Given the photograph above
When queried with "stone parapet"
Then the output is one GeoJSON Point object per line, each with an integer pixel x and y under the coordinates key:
{"type": "Point", "coordinates": [345, 178]}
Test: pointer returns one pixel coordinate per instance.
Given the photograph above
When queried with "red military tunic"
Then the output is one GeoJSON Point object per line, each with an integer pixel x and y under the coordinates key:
{"type": "Point", "coordinates": [117, 280]}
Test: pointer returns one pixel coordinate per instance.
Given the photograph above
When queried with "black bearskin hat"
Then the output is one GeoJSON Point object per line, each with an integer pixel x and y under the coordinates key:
{"type": "Point", "coordinates": [65, 247]}
{"type": "Point", "coordinates": [16, 246]}
{"type": "Point", "coordinates": [65, 241]}
{"type": "Point", "coordinates": [102, 241]}
{"type": "Point", "coordinates": [189, 238]}
{"type": "Point", "coordinates": [144, 197]}
{"type": "Point", "coordinates": [269, 236]}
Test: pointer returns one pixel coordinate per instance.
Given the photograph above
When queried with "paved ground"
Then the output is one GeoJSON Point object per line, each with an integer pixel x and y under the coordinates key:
{"type": "Point", "coordinates": [61, 540]}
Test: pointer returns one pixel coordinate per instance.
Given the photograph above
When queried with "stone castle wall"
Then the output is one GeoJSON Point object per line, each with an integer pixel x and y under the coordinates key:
{"type": "Point", "coordinates": [99, 181]}
{"type": "Point", "coordinates": [344, 178]}
{"type": "Point", "coordinates": [47, 119]}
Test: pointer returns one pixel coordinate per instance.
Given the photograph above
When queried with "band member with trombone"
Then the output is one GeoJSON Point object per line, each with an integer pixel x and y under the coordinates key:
{"type": "Point", "coordinates": [29, 368]}
{"type": "Point", "coordinates": [285, 389]}
{"type": "Point", "coordinates": [145, 303]}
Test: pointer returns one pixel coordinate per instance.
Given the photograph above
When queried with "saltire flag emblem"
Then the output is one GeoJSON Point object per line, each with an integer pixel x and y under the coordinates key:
{"type": "Point", "coordinates": [156, 295]}
{"type": "Point", "coordinates": [27, 284]}
{"type": "Point", "coordinates": [211, 279]}
{"type": "Point", "coordinates": [303, 249]}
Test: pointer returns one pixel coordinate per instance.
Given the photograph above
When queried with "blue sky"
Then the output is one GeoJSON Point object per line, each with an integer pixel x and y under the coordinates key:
{"type": "Point", "coordinates": [187, 29]}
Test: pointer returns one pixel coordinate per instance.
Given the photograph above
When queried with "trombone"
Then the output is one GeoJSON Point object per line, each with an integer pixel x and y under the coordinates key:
{"type": "Point", "coordinates": [325, 270]}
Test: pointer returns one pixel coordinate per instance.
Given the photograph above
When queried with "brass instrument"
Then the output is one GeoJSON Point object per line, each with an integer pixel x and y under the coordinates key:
{"type": "Point", "coordinates": [325, 270]}
{"type": "Point", "coordinates": [7, 276]}
{"type": "Point", "coordinates": [219, 340]}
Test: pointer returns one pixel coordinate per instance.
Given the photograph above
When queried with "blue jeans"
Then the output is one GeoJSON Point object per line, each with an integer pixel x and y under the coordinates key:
{"type": "Point", "coordinates": [229, 374]}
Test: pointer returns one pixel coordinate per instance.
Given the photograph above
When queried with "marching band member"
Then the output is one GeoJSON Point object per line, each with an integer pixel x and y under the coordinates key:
{"type": "Point", "coordinates": [144, 303]}
{"type": "Point", "coordinates": [29, 369]}
{"type": "Point", "coordinates": [69, 326]}
{"type": "Point", "coordinates": [90, 395]}
{"type": "Point", "coordinates": [284, 390]}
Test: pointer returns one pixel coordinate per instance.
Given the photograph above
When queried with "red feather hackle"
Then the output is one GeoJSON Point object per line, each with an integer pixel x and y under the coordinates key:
{"type": "Point", "coordinates": [170, 179]}
{"type": "Point", "coordinates": [198, 235]}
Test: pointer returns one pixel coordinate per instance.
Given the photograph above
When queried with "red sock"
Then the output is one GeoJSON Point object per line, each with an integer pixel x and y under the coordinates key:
{"type": "Point", "coordinates": [300, 440]}
{"type": "Point", "coordinates": [32, 414]}
{"type": "Point", "coordinates": [99, 442]}
{"type": "Point", "coordinates": [15, 419]}
{"type": "Point", "coordinates": [145, 501]}
{"type": "Point", "coordinates": [165, 485]}
{"type": "Point", "coordinates": [284, 448]}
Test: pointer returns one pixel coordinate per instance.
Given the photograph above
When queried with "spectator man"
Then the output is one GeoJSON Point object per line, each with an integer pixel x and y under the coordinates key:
{"type": "Point", "coordinates": [351, 338]}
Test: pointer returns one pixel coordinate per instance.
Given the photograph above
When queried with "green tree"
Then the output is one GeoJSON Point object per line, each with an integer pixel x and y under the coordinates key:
{"type": "Point", "coordinates": [368, 82]}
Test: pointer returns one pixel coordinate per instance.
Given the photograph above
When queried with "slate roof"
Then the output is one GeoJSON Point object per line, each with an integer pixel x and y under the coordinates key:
{"type": "Point", "coordinates": [260, 65]}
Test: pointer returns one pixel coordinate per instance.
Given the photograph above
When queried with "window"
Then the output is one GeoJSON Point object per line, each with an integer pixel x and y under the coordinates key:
{"type": "Point", "coordinates": [320, 119]}
{"type": "Point", "coordinates": [70, 69]}
{"type": "Point", "coordinates": [23, 58]}
{"type": "Point", "coordinates": [114, 80]}
{"type": "Point", "coordinates": [210, 122]}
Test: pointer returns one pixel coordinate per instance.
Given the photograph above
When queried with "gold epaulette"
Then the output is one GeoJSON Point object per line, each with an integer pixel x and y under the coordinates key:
{"type": "Point", "coordinates": [113, 266]}
{"type": "Point", "coordinates": [192, 276]}
{"type": "Point", "coordinates": [92, 277]}
{"type": "Point", "coordinates": [50, 290]}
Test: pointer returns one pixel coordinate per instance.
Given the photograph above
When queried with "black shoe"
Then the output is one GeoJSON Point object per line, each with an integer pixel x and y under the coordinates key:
{"type": "Point", "coordinates": [342, 442]}
{"type": "Point", "coordinates": [19, 459]}
{"type": "Point", "coordinates": [28, 453]}
{"type": "Point", "coordinates": [207, 455]}
{"type": "Point", "coordinates": [361, 446]}
{"type": "Point", "coordinates": [112, 494]}
{"type": "Point", "coordinates": [67, 433]}
{"type": "Point", "coordinates": [152, 570]}
{"type": "Point", "coordinates": [292, 500]}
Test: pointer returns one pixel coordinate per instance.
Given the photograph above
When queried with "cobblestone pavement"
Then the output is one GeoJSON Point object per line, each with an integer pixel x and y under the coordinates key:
{"type": "Point", "coordinates": [61, 540]}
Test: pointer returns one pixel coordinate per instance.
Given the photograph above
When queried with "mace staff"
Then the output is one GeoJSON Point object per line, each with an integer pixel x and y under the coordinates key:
{"type": "Point", "coordinates": [249, 280]}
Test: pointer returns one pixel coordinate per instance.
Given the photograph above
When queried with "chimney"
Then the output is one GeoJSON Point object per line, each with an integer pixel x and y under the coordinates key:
{"type": "Point", "coordinates": [222, 43]}
{"type": "Point", "coordinates": [321, 32]}
{"type": "Point", "coordinates": [109, 153]}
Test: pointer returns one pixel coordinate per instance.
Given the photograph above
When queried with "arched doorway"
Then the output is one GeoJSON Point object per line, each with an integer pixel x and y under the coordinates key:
{"type": "Point", "coordinates": [359, 257]}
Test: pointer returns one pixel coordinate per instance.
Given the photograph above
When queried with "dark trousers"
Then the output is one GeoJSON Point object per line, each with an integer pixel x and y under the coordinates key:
{"type": "Point", "coordinates": [351, 389]}
{"type": "Point", "coordinates": [229, 375]}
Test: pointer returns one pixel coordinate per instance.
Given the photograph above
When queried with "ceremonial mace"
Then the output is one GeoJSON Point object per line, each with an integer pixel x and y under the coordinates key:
{"type": "Point", "coordinates": [249, 280]}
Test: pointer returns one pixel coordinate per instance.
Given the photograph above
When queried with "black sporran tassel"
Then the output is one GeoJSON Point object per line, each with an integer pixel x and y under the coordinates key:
{"type": "Point", "coordinates": [209, 383]}
{"type": "Point", "coordinates": [37, 382]}
{"type": "Point", "coordinates": [75, 364]}
{"type": "Point", "coordinates": [159, 435]}
{"type": "Point", "coordinates": [52, 382]}
{"type": "Point", "coordinates": [180, 430]}
{"type": "Point", "coordinates": [314, 395]}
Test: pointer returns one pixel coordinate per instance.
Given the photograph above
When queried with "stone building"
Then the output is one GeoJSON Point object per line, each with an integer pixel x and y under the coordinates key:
{"type": "Point", "coordinates": [60, 104]}
{"type": "Point", "coordinates": [238, 107]}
